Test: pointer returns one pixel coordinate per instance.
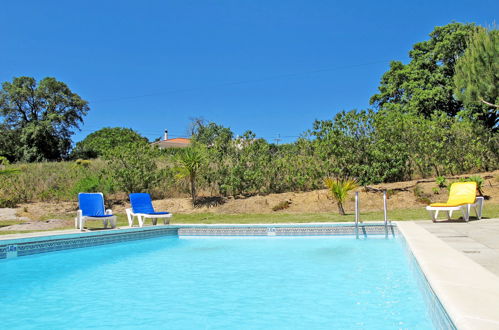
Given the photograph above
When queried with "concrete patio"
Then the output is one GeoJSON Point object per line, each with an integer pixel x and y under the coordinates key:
{"type": "Point", "coordinates": [477, 239]}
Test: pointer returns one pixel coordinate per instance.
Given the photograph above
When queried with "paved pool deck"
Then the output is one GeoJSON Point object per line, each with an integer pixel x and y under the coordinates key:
{"type": "Point", "coordinates": [477, 239]}
{"type": "Point", "coordinates": [466, 287]}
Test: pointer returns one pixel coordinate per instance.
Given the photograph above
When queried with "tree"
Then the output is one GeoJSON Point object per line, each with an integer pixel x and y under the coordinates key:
{"type": "Point", "coordinates": [477, 77]}
{"type": "Point", "coordinates": [98, 143]}
{"type": "Point", "coordinates": [339, 188]}
{"type": "Point", "coordinates": [39, 118]}
{"type": "Point", "coordinates": [359, 144]}
{"type": "Point", "coordinates": [133, 166]}
{"type": "Point", "coordinates": [190, 162]}
{"type": "Point", "coordinates": [425, 85]}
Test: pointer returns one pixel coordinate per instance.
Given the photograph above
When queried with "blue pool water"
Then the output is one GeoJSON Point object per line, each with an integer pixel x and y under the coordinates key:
{"type": "Point", "coordinates": [216, 283]}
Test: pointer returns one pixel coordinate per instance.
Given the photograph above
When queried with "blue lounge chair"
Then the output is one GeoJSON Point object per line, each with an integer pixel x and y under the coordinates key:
{"type": "Point", "coordinates": [142, 209]}
{"type": "Point", "coordinates": [92, 208]}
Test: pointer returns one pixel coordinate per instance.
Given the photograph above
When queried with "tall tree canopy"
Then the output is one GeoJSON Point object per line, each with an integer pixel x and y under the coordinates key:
{"type": "Point", "coordinates": [38, 118]}
{"type": "Point", "coordinates": [477, 76]}
{"type": "Point", "coordinates": [99, 142]}
{"type": "Point", "coordinates": [425, 85]}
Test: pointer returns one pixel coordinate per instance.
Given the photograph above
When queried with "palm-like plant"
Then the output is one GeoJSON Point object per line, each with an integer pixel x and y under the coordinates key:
{"type": "Point", "coordinates": [189, 163]}
{"type": "Point", "coordinates": [339, 188]}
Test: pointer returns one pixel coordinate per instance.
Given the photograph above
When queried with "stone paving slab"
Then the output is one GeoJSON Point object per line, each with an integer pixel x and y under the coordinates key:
{"type": "Point", "coordinates": [477, 239]}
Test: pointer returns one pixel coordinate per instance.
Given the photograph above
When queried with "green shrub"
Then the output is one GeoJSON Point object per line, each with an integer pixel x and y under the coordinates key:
{"type": "Point", "coordinates": [133, 167]}
{"type": "Point", "coordinates": [87, 184]}
{"type": "Point", "coordinates": [441, 181]}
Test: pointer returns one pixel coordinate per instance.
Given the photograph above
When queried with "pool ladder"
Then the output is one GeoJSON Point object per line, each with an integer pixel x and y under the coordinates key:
{"type": "Point", "coordinates": [386, 222]}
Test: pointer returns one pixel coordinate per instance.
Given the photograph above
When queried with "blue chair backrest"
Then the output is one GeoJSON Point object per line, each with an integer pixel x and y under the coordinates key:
{"type": "Point", "coordinates": [141, 203]}
{"type": "Point", "coordinates": [91, 204]}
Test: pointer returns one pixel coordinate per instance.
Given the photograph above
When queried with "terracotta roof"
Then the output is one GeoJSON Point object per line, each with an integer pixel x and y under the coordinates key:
{"type": "Point", "coordinates": [179, 140]}
{"type": "Point", "coordinates": [173, 143]}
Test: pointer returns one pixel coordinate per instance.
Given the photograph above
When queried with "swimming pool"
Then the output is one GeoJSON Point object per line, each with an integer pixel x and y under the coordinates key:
{"type": "Point", "coordinates": [217, 283]}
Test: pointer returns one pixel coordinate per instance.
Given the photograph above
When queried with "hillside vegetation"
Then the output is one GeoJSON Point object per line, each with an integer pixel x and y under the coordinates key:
{"type": "Point", "coordinates": [429, 119]}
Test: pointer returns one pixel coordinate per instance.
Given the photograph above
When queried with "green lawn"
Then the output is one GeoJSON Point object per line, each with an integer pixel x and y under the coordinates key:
{"type": "Point", "coordinates": [490, 211]}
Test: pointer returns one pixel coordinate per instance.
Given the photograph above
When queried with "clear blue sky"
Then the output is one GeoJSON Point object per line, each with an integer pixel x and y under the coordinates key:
{"type": "Point", "coordinates": [269, 66]}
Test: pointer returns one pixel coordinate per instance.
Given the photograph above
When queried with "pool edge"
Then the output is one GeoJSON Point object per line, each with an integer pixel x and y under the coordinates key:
{"type": "Point", "coordinates": [468, 292]}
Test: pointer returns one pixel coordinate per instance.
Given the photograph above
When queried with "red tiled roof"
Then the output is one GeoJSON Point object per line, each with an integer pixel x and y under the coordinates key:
{"type": "Point", "coordinates": [173, 143]}
{"type": "Point", "coordinates": [179, 140]}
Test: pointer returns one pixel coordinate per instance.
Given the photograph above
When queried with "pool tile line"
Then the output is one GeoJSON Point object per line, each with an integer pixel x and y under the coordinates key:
{"type": "Point", "coordinates": [24, 246]}
{"type": "Point", "coordinates": [44, 244]}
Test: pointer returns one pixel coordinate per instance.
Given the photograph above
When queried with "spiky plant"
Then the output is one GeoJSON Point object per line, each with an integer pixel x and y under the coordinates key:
{"type": "Point", "coordinates": [189, 163]}
{"type": "Point", "coordinates": [339, 188]}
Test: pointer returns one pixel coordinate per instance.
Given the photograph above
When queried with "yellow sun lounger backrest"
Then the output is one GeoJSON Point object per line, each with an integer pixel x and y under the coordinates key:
{"type": "Point", "coordinates": [462, 193]}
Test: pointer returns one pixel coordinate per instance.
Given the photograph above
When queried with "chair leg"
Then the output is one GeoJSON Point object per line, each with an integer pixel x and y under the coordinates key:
{"type": "Point", "coordinates": [82, 224]}
{"type": "Point", "coordinates": [479, 208]}
{"type": "Point", "coordinates": [154, 221]}
{"type": "Point", "coordinates": [466, 212]}
{"type": "Point", "coordinates": [141, 220]}
{"type": "Point", "coordinates": [130, 217]}
{"type": "Point", "coordinates": [76, 223]}
{"type": "Point", "coordinates": [449, 214]}
{"type": "Point", "coordinates": [105, 223]}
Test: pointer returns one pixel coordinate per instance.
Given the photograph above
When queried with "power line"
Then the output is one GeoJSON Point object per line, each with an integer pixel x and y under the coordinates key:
{"type": "Point", "coordinates": [241, 82]}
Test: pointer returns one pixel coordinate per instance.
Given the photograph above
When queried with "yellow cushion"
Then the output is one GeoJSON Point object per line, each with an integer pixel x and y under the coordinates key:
{"type": "Point", "coordinates": [461, 193]}
{"type": "Point", "coordinates": [446, 204]}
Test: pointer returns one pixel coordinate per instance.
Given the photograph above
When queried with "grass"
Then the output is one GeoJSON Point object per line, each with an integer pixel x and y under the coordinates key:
{"type": "Point", "coordinates": [490, 211]}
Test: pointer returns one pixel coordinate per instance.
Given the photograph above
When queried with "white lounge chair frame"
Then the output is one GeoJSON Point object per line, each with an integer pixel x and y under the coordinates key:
{"type": "Point", "coordinates": [466, 208]}
{"type": "Point", "coordinates": [141, 217]}
{"type": "Point", "coordinates": [80, 219]}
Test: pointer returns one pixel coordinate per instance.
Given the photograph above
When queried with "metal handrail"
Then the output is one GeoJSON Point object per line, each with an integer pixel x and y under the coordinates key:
{"type": "Point", "coordinates": [357, 214]}
{"type": "Point", "coordinates": [386, 222]}
{"type": "Point", "coordinates": [385, 216]}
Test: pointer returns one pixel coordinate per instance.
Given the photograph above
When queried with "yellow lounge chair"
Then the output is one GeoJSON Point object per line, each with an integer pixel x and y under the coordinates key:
{"type": "Point", "coordinates": [462, 196]}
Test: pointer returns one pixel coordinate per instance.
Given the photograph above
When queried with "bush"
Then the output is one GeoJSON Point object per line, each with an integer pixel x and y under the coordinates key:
{"type": "Point", "coordinates": [441, 181]}
{"type": "Point", "coordinates": [133, 167]}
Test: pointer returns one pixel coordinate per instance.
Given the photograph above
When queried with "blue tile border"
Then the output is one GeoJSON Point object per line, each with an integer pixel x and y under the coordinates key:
{"type": "Point", "coordinates": [286, 230]}
{"type": "Point", "coordinates": [29, 246]}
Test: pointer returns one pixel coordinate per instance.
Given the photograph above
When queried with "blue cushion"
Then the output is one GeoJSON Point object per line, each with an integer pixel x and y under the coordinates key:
{"type": "Point", "coordinates": [141, 203]}
{"type": "Point", "coordinates": [101, 216]}
{"type": "Point", "coordinates": [158, 213]}
{"type": "Point", "coordinates": [91, 204]}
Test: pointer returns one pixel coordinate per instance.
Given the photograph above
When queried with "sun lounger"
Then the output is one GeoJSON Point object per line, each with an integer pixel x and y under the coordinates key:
{"type": "Point", "coordinates": [462, 196]}
{"type": "Point", "coordinates": [142, 209]}
{"type": "Point", "coordinates": [92, 208]}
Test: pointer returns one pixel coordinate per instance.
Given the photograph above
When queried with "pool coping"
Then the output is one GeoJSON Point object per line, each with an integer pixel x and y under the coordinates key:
{"type": "Point", "coordinates": [468, 291]}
